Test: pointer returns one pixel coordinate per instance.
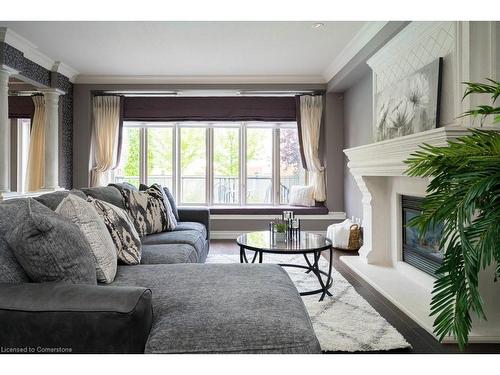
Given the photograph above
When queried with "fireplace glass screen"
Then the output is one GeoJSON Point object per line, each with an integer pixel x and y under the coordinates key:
{"type": "Point", "coordinates": [422, 253]}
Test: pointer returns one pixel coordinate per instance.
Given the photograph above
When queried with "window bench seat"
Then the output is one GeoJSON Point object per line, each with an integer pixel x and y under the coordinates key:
{"type": "Point", "coordinates": [268, 210]}
{"type": "Point", "coordinates": [271, 212]}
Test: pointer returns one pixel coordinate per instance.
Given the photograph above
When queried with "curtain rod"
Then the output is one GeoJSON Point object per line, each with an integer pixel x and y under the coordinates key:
{"type": "Point", "coordinates": [210, 93]}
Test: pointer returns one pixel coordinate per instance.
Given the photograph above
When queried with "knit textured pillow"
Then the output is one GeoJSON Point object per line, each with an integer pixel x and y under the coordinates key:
{"type": "Point", "coordinates": [49, 247]}
{"type": "Point", "coordinates": [150, 210]}
{"type": "Point", "coordinates": [126, 239]}
{"type": "Point", "coordinates": [92, 225]}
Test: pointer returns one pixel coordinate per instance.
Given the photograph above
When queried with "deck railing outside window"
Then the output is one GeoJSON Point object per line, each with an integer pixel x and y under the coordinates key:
{"type": "Point", "coordinates": [225, 188]}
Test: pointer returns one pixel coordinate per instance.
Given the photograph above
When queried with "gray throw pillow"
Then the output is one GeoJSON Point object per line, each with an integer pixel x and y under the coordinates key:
{"type": "Point", "coordinates": [170, 198]}
{"type": "Point", "coordinates": [149, 210]}
{"type": "Point", "coordinates": [50, 247]}
{"type": "Point", "coordinates": [84, 215]}
{"type": "Point", "coordinates": [10, 269]}
{"type": "Point", "coordinates": [126, 239]}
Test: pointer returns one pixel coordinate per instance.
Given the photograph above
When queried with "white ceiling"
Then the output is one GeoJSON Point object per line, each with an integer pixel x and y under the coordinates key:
{"type": "Point", "coordinates": [195, 49]}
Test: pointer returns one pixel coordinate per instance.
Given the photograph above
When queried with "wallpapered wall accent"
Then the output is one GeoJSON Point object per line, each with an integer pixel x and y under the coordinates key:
{"type": "Point", "coordinates": [66, 130]}
{"type": "Point", "coordinates": [15, 59]}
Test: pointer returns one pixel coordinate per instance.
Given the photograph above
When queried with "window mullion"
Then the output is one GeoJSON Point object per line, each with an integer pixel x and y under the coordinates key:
{"type": "Point", "coordinates": [210, 164]}
{"type": "Point", "coordinates": [276, 169]}
{"type": "Point", "coordinates": [143, 171]}
{"type": "Point", "coordinates": [178, 182]}
{"type": "Point", "coordinates": [174, 163]}
{"type": "Point", "coordinates": [243, 164]}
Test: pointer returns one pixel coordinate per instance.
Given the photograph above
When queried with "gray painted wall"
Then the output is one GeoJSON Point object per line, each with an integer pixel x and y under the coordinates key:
{"type": "Point", "coordinates": [333, 155]}
{"type": "Point", "coordinates": [358, 115]}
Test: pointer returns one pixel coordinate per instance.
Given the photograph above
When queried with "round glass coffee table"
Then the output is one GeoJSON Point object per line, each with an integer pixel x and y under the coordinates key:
{"type": "Point", "coordinates": [310, 245]}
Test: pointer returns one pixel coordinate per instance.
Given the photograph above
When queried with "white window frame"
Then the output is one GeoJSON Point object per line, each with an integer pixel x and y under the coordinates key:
{"type": "Point", "coordinates": [209, 145]}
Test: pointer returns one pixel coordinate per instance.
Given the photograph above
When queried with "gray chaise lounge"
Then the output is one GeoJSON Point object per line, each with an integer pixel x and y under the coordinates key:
{"type": "Point", "coordinates": [170, 303]}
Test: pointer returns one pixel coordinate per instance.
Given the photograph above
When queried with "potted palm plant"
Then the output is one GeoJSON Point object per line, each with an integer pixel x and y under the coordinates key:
{"type": "Point", "coordinates": [464, 197]}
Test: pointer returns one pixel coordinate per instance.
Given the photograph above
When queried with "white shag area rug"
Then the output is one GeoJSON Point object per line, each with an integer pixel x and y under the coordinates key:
{"type": "Point", "coordinates": [343, 322]}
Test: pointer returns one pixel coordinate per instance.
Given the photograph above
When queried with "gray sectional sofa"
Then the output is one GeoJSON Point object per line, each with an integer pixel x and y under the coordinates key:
{"type": "Point", "coordinates": [170, 303]}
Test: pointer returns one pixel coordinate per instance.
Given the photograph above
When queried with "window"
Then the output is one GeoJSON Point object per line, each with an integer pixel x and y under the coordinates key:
{"type": "Point", "coordinates": [160, 148]}
{"type": "Point", "coordinates": [193, 165]}
{"type": "Point", "coordinates": [129, 167]}
{"type": "Point", "coordinates": [259, 165]}
{"type": "Point", "coordinates": [291, 171]}
{"type": "Point", "coordinates": [203, 163]}
{"type": "Point", "coordinates": [226, 165]}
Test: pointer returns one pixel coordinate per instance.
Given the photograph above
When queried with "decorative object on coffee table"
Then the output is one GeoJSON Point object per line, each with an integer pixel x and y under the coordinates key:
{"type": "Point", "coordinates": [285, 229]}
{"type": "Point", "coordinates": [305, 243]}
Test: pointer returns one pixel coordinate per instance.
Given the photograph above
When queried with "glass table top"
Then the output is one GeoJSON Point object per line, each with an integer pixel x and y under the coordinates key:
{"type": "Point", "coordinates": [264, 241]}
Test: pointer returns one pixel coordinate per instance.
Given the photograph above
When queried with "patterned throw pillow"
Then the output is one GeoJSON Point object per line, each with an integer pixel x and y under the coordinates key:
{"type": "Point", "coordinates": [121, 229]}
{"type": "Point", "coordinates": [170, 197]}
{"type": "Point", "coordinates": [92, 225]}
{"type": "Point", "coordinates": [150, 210]}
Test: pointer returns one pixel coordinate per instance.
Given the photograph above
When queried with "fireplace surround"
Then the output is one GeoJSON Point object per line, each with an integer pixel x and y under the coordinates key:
{"type": "Point", "coordinates": [422, 253]}
{"type": "Point", "coordinates": [379, 171]}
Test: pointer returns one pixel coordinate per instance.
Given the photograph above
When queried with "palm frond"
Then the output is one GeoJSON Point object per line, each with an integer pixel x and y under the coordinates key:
{"type": "Point", "coordinates": [464, 197]}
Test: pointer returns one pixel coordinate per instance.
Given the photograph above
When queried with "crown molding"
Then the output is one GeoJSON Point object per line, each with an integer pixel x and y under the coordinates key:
{"type": "Point", "coordinates": [31, 52]}
{"type": "Point", "coordinates": [363, 36]}
{"type": "Point", "coordinates": [65, 70]}
{"type": "Point", "coordinates": [243, 79]}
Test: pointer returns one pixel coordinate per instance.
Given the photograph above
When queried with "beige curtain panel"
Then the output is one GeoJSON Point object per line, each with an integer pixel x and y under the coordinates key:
{"type": "Point", "coordinates": [311, 110]}
{"type": "Point", "coordinates": [36, 154]}
{"type": "Point", "coordinates": [106, 123]}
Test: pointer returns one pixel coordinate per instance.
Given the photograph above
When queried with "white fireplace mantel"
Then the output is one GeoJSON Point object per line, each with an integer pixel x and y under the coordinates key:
{"type": "Point", "coordinates": [386, 158]}
{"type": "Point", "coordinates": [379, 171]}
{"type": "Point", "coordinates": [369, 163]}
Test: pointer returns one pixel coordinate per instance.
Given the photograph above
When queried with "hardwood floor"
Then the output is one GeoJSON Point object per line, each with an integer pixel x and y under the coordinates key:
{"type": "Point", "coordinates": [421, 341]}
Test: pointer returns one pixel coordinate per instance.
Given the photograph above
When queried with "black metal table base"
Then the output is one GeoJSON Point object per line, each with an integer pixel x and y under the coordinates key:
{"type": "Point", "coordinates": [312, 266]}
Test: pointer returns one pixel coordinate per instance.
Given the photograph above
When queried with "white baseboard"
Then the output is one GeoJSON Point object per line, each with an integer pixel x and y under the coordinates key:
{"type": "Point", "coordinates": [232, 235]}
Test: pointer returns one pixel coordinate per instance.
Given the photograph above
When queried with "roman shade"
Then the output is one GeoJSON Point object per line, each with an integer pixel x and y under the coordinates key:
{"type": "Point", "coordinates": [232, 108]}
{"type": "Point", "coordinates": [21, 107]}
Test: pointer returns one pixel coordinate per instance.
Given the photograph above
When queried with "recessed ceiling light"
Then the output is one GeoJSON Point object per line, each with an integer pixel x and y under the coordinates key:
{"type": "Point", "coordinates": [318, 25]}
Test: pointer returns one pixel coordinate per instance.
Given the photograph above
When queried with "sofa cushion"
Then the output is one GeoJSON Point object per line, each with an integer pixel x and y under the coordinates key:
{"type": "Point", "coordinates": [107, 194]}
{"type": "Point", "coordinates": [189, 237]}
{"type": "Point", "coordinates": [50, 247]}
{"type": "Point", "coordinates": [84, 215]}
{"type": "Point", "coordinates": [168, 254]}
{"type": "Point", "coordinates": [149, 210]}
{"type": "Point", "coordinates": [223, 308]}
{"type": "Point", "coordinates": [121, 229]}
{"type": "Point", "coordinates": [52, 200]}
{"type": "Point", "coordinates": [191, 225]}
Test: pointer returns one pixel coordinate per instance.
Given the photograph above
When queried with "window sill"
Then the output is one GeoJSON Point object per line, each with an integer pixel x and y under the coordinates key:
{"type": "Point", "coordinates": [271, 212]}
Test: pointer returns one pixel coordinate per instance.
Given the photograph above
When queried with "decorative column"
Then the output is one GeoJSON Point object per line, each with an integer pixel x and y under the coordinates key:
{"type": "Point", "coordinates": [51, 138]}
{"type": "Point", "coordinates": [5, 72]}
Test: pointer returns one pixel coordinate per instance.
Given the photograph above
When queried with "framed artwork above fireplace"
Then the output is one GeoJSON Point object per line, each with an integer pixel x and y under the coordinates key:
{"type": "Point", "coordinates": [411, 105]}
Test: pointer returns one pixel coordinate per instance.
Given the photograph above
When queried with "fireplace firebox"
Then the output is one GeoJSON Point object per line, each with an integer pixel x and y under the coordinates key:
{"type": "Point", "coordinates": [423, 253]}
